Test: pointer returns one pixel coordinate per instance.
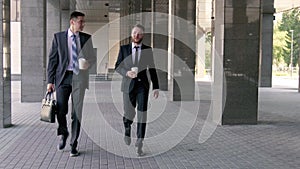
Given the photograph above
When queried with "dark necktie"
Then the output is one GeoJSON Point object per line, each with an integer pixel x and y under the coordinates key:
{"type": "Point", "coordinates": [75, 55]}
{"type": "Point", "coordinates": [136, 57]}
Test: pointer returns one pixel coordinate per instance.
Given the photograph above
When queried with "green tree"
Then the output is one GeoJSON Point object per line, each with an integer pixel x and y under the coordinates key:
{"type": "Point", "coordinates": [279, 44]}
{"type": "Point", "coordinates": [291, 21]}
{"type": "Point", "coordinates": [208, 50]}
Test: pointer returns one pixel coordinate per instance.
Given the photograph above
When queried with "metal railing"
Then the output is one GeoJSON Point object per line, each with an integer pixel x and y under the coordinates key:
{"type": "Point", "coordinates": [286, 71]}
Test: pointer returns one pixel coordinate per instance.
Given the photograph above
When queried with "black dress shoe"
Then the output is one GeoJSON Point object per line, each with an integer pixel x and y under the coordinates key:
{"type": "Point", "coordinates": [139, 146]}
{"type": "Point", "coordinates": [127, 140]}
{"type": "Point", "coordinates": [139, 151]}
{"type": "Point", "coordinates": [139, 143]}
{"type": "Point", "coordinates": [74, 152]}
{"type": "Point", "coordinates": [62, 142]}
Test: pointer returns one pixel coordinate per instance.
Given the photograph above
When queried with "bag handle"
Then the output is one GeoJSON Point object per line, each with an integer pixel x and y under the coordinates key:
{"type": "Point", "coordinates": [48, 95]}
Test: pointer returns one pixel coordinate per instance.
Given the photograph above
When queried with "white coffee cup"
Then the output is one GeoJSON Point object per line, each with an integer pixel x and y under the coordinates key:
{"type": "Point", "coordinates": [135, 69]}
{"type": "Point", "coordinates": [83, 64]}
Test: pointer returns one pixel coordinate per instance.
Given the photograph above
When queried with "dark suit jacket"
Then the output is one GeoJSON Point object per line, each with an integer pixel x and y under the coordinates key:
{"type": "Point", "coordinates": [59, 57]}
{"type": "Point", "coordinates": [146, 64]}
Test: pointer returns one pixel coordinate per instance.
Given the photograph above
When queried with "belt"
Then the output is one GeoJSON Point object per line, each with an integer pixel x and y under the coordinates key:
{"type": "Point", "coordinates": [69, 72]}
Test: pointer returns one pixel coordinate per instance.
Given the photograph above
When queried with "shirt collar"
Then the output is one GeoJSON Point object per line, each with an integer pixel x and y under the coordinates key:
{"type": "Point", "coordinates": [70, 33]}
{"type": "Point", "coordinates": [139, 45]}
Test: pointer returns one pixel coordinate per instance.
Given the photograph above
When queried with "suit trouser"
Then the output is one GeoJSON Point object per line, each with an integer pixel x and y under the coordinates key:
{"type": "Point", "coordinates": [138, 97]}
{"type": "Point", "coordinates": [71, 85]}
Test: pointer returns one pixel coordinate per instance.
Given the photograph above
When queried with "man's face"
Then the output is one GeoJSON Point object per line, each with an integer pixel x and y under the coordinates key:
{"type": "Point", "coordinates": [137, 35]}
{"type": "Point", "coordinates": [78, 23]}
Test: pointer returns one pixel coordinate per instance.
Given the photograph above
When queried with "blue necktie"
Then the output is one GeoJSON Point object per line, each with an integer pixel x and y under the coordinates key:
{"type": "Point", "coordinates": [75, 55]}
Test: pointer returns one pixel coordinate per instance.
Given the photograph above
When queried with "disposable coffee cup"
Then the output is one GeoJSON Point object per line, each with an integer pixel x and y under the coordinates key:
{"type": "Point", "coordinates": [82, 64]}
{"type": "Point", "coordinates": [135, 69]}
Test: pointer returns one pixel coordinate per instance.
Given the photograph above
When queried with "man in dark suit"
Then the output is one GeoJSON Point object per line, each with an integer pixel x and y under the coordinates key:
{"type": "Point", "coordinates": [135, 86]}
{"type": "Point", "coordinates": [66, 77]}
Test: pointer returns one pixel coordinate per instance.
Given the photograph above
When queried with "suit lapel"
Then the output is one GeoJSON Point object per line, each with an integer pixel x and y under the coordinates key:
{"type": "Point", "coordinates": [130, 53]}
{"type": "Point", "coordinates": [142, 53]}
{"type": "Point", "coordinates": [130, 49]}
{"type": "Point", "coordinates": [82, 39]}
{"type": "Point", "coordinates": [65, 39]}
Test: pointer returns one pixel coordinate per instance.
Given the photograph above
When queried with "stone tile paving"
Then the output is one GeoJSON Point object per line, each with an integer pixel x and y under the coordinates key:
{"type": "Point", "coordinates": [273, 143]}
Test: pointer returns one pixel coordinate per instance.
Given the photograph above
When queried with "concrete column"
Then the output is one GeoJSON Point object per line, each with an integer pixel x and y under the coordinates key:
{"type": "Point", "coordinates": [217, 62]}
{"type": "Point", "coordinates": [239, 57]}
{"type": "Point", "coordinates": [5, 65]}
{"type": "Point", "coordinates": [266, 59]}
{"type": "Point", "coordinates": [114, 36]}
{"type": "Point", "coordinates": [126, 26]}
{"type": "Point", "coordinates": [53, 24]}
{"type": "Point", "coordinates": [66, 7]}
{"type": "Point", "coordinates": [33, 51]}
{"type": "Point", "coordinates": [184, 62]}
{"type": "Point", "coordinates": [160, 24]}
{"type": "Point", "coordinates": [64, 19]}
{"type": "Point", "coordinates": [58, 15]}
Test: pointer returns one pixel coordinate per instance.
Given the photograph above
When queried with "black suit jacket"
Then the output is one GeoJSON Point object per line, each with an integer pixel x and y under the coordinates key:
{"type": "Point", "coordinates": [59, 57]}
{"type": "Point", "coordinates": [146, 64]}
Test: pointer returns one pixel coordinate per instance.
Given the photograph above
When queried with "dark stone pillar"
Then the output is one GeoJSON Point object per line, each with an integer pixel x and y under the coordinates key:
{"type": "Point", "coordinates": [241, 50]}
{"type": "Point", "coordinates": [184, 74]}
{"type": "Point", "coordinates": [266, 59]}
{"type": "Point", "coordinates": [145, 20]}
{"type": "Point", "coordinates": [160, 41]}
{"type": "Point", "coordinates": [5, 65]}
{"type": "Point", "coordinates": [126, 25]}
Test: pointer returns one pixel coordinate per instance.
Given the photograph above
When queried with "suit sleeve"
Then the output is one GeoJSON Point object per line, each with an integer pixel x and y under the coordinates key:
{"type": "Point", "coordinates": [88, 50]}
{"type": "Point", "coordinates": [53, 61]}
{"type": "Point", "coordinates": [119, 66]}
{"type": "Point", "coordinates": [152, 71]}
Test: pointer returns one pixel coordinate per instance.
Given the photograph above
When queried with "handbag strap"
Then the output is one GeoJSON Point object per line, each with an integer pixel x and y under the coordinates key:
{"type": "Point", "coordinates": [48, 95]}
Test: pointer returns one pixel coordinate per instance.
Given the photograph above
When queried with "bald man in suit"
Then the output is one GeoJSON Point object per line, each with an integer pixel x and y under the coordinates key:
{"type": "Point", "coordinates": [135, 86]}
{"type": "Point", "coordinates": [65, 77]}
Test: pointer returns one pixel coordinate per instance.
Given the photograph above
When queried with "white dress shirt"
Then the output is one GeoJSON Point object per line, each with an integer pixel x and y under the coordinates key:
{"type": "Point", "coordinates": [134, 50]}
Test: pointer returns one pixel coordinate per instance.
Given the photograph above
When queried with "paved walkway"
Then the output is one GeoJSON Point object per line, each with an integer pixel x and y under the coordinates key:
{"type": "Point", "coordinates": [273, 143]}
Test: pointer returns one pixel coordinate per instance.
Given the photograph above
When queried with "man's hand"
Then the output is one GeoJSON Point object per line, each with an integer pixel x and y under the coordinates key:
{"type": "Point", "coordinates": [50, 87]}
{"type": "Point", "coordinates": [131, 74]}
{"type": "Point", "coordinates": [156, 93]}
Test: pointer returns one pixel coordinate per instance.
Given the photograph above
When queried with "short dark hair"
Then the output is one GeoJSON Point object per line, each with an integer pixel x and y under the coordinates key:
{"type": "Point", "coordinates": [75, 14]}
{"type": "Point", "coordinates": [139, 26]}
